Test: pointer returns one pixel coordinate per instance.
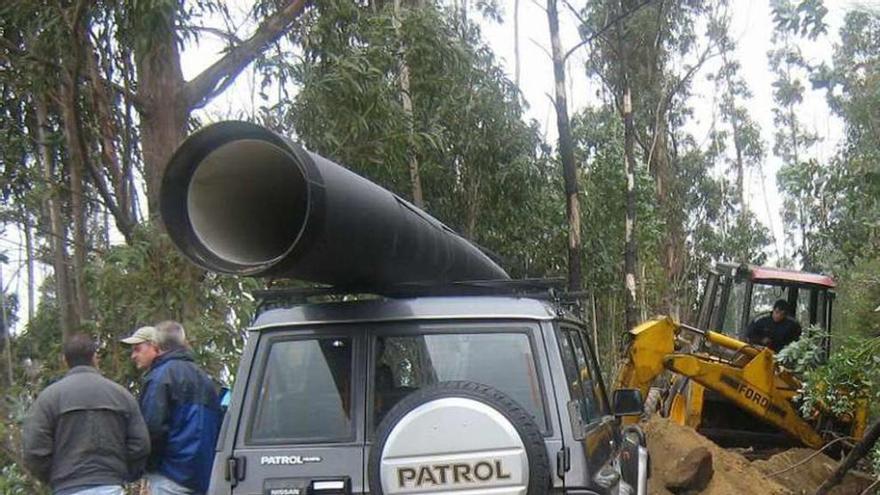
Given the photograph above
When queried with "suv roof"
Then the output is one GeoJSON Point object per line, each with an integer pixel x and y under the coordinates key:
{"type": "Point", "coordinates": [422, 308]}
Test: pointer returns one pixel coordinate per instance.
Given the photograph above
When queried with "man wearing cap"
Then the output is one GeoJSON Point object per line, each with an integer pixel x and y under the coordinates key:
{"type": "Point", "coordinates": [181, 409]}
{"type": "Point", "coordinates": [84, 435]}
{"type": "Point", "coordinates": [144, 347]}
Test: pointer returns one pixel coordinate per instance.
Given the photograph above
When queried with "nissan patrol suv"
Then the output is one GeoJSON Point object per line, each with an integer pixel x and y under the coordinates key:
{"type": "Point", "coordinates": [428, 370]}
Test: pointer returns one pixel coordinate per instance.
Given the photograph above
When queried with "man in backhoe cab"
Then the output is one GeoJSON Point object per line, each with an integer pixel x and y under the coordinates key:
{"type": "Point", "coordinates": [775, 330]}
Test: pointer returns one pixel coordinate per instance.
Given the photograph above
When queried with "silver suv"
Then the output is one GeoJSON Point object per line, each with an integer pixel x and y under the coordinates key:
{"type": "Point", "coordinates": [441, 375]}
{"type": "Point", "coordinates": [427, 394]}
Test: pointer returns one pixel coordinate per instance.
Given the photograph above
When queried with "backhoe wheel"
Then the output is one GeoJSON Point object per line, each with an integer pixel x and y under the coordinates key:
{"type": "Point", "coordinates": [458, 437]}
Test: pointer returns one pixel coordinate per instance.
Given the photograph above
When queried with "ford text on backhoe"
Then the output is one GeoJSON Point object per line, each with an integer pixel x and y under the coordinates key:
{"type": "Point", "coordinates": [728, 389]}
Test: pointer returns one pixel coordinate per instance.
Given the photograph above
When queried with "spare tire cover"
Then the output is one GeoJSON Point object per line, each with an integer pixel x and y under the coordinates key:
{"type": "Point", "coordinates": [456, 437]}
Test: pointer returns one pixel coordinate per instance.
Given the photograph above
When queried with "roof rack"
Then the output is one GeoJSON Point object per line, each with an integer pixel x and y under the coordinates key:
{"type": "Point", "coordinates": [549, 289]}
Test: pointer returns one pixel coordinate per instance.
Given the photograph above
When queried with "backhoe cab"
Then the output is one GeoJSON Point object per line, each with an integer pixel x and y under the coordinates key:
{"type": "Point", "coordinates": [716, 382]}
{"type": "Point", "coordinates": [736, 295]}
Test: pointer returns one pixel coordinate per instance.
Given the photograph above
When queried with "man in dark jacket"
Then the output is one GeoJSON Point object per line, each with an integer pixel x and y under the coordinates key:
{"type": "Point", "coordinates": [182, 411]}
{"type": "Point", "coordinates": [84, 434]}
{"type": "Point", "coordinates": [775, 330]}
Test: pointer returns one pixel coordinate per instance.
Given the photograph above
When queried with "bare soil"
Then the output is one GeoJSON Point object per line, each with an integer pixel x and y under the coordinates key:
{"type": "Point", "coordinates": [669, 443]}
{"type": "Point", "coordinates": [807, 477]}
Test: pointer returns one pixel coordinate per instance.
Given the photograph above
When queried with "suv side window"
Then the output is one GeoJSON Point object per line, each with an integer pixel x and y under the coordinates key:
{"type": "Point", "coordinates": [584, 389]}
{"type": "Point", "coordinates": [590, 375]}
{"type": "Point", "coordinates": [300, 377]}
{"type": "Point", "coordinates": [503, 360]}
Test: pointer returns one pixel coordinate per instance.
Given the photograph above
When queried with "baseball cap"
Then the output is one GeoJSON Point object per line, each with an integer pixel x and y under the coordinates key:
{"type": "Point", "coordinates": [142, 334]}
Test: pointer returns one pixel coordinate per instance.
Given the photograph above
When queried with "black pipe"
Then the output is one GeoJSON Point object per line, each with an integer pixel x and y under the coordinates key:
{"type": "Point", "coordinates": [238, 198]}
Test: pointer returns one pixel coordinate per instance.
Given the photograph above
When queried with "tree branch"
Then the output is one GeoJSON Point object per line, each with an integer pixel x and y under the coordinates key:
{"type": "Point", "coordinates": [123, 223]}
{"type": "Point", "coordinates": [666, 101]}
{"type": "Point", "coordinates": [224, 35]}
{"type": "Point", "coordinates": [604, 28]}
{"type": "Point", "coordinates": [56, 67]}
{"type": "Point", "coordinates": [214, 79]}
{"type": "Point", "coordinates": [574, 12]}
{"type": "Point", "coordinates": [541, 47]}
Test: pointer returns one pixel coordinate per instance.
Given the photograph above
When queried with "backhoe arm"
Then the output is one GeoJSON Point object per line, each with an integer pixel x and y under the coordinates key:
{"type": "Point", "coordinates": [651, 342]}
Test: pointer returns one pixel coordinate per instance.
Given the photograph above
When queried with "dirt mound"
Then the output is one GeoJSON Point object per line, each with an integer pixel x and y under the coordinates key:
{"type": "Point", "coordinates": [807, 477]}
{"type": "Point", "coordinates": [669, 443]}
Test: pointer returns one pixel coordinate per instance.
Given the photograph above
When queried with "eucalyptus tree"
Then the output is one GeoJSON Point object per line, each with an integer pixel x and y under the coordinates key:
{"type": "Point", "coordinates": [34, 166]}
{"type": "Point", "coordinates": [599, 146]}
{"type": "Point", "coordinates": [851, 246]}
{"type": "Point", "coordinates": [801, 177]}
{"type": "Point", "coordinates": [482, 168]}
{"type": "Point", "coordinates": [106, 78]}
{"type": "Point", "coordinates": [648, 62]}
{"type": "Point", "coordinates": [566, 151]}
{"type": "Point", "coordinates": [611, 63]}
{"type": "Point", "coordinates": [163, 98]}
{"type": "Point", "coordinates": [854, 186]}
{"type": "Point", "coordinates": [743, 238]}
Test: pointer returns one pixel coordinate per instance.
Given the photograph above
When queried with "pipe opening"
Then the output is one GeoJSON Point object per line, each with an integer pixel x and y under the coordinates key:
{"type": "Point", "coordinates": [247, 202]}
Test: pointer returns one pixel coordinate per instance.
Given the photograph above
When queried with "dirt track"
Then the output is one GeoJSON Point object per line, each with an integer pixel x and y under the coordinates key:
{"type": "Point", "coordinates": [669, 443]}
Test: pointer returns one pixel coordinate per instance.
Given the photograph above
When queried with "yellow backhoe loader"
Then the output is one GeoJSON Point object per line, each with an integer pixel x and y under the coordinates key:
{"type": "Point", "coordinates": [729, 390]}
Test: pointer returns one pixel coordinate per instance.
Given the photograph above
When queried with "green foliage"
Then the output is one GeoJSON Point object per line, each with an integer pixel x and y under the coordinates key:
{"type": "Point", "coordinates": [851, 375]}
{"type": "Point", "coordinates": [806, 18]}
{"type": "Point", "coordinates": [805, 208]}
{"type": "Point", "coordinates": [875, 461]}
{"type": "Point", "coordinates": [13, 481]}
{"type": "Point", "coordinates": [857, 297]}
{"type": "Point", "coordinates": [482, 168]}
{"type": "Point", "coordinates": [149, 281]}
{"type": "Point", "coordinates": [806, 353]}
{"type": "Point", "coordinates": [854, 183]}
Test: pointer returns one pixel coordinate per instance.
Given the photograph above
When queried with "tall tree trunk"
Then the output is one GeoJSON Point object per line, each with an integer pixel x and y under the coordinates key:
{"type": "Point", "coordinates": [630, 252]}
{"type": "Point", "coordinates": [57, 235]}
{"type": "Point", "coordinates": [739, 163]}
{"type": "Point", "coordinates": [29, 261]}
{"type": "Point", "coordinates": [165, 100]}
{"type": "Point", "coordinates": [116, 197]}
{"type": "Point", "coordinates": [7, 344]}
{"type": "Point", "coordinates": [128, 150]}
{"type": "Point", "coordinates": [164, 114]}
{"type": "Point", "coordinates": [673, 243]}
{"type": "Point", "coordinates": [406, 102]}
{"type": "Point", "coordinates": [77, 154]}
{"type": "Point", "coordinates": [516, 58]}
{"type": "Point", "coordinates": [566, 153]}
{"type": "Point", "coordinates": [472, 192]}
{"type": "Point", "coordinates": [594, 320]}
{"type": "Point", "coordinates": [630, 248]}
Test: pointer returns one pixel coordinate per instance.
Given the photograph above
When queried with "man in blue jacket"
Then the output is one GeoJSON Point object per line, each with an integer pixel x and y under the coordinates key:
{"type": "Point", "coordinates": [180, 405]}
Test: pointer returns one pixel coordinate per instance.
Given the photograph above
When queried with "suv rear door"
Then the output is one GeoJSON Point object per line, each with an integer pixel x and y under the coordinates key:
{"type": "Point", "coordinates": [301, 427]}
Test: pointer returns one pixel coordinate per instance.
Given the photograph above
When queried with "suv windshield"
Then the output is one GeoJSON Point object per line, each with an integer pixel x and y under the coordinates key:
{"type": "Point", "coordinates": [503, 360]}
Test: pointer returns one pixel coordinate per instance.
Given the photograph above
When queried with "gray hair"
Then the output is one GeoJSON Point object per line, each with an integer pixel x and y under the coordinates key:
{"type": "Point", "coordinates": [170, 336]}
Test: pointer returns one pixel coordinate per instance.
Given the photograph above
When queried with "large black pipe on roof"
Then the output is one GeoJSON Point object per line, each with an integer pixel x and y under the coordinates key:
{"type": "Point", "coordinates": [240, 199]}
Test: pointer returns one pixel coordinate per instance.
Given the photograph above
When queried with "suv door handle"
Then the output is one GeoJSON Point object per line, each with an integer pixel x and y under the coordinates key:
{"type": "Point", "coordinates": [235, 470]}
{"type": "Point", "coordinates": [563, 462]}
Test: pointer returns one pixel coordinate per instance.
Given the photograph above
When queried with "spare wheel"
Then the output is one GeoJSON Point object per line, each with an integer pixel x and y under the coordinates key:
{"type": "Point", "coordinates": [458, 437]}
